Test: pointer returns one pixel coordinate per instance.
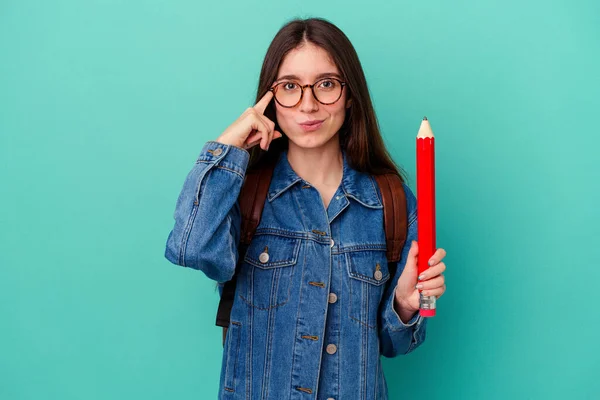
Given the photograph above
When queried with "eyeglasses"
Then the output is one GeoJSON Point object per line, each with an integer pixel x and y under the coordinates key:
{"type": "Point", "coordinates": [327, 91]}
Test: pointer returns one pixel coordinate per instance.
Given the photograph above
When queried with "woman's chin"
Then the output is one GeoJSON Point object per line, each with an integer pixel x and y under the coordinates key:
{"type": "Point", "coordinates": [310, 140]}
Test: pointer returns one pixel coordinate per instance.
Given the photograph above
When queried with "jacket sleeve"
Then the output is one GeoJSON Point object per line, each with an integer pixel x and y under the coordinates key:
{"type": "Point", "coordinates": [207, 214]}
{"type": "Point", "coordinates": [395, 336]}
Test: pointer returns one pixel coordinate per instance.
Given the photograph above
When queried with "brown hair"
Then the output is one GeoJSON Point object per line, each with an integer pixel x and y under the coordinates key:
{"type": "Point", "coordinates": [359, 135]}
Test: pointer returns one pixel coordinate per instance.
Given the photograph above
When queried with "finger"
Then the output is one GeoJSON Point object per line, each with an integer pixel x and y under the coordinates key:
{"type": "Point", "coordinates": [410, 269]}
{"type": "Point", "coordinates": [433, 283]}
{"type": "Point", "coordinates": [262, 104]}
{"type": "Point", "coordinates": [437, 257]}
{"type": "Point", "coordinates": [271, 125]}
{"type": "Point", "coordinates": [258, 124]}
{"type": "Point", "coordinates": [414, 249]}
{"type": "Point", "coordinates": [432, 272]}
{"type": "Point", "coordinates": [254, 136]}
{"type": "Point", "coordinates": [253, 141]}
{"type": "Point", "coordinates": [264, 140]}
{"type": "Point", "coordinates": [435, 292]}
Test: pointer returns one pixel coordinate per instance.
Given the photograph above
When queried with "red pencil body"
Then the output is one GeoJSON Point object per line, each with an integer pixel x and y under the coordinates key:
{"type": "Point", "coordinates": [426, 209]}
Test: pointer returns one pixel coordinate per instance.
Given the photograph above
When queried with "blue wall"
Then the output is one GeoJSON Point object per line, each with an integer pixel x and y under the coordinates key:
{"type": "Point", "coordinates": [104, 106]}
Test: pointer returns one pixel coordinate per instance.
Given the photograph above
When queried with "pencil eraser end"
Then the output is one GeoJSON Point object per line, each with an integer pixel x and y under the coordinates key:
{"type": "Point", "coordinates": [427, 313]}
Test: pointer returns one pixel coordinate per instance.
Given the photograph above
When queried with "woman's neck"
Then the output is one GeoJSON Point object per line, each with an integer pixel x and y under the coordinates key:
{"type": "Point", "coordinates": [322, 166]}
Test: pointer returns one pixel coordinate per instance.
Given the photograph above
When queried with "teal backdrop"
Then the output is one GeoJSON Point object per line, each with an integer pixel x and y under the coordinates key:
{"type": "Point", "coordinates": [105, 105]}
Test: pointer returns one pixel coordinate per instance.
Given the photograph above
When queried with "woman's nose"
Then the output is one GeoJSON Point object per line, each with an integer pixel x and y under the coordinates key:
{"type": "Point", "coordinates": [308, 103]}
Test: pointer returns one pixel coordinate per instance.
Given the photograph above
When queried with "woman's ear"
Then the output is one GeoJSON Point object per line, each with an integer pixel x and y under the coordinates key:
{"type": "Point", "coordinates": [348, 103]}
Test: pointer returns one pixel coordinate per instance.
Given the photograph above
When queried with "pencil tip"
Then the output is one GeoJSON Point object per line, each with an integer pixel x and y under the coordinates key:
{"type": "Point", "coordinates": [424, 118]}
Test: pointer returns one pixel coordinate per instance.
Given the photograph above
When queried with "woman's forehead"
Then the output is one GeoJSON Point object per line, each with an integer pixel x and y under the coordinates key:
{"type": "Point", "coordinates": [308, 63]}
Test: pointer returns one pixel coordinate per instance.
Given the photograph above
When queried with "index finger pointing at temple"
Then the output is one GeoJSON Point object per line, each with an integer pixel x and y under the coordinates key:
{"type": "Point", "coordinates": [262, 104]}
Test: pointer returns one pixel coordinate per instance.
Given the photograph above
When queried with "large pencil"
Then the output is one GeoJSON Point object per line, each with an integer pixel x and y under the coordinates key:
{"type": "Point", "coordinates": [425, 208]}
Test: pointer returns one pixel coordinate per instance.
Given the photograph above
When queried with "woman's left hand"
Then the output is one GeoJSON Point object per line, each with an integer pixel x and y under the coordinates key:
{"type": "Point", "coordinates": [431, 282]}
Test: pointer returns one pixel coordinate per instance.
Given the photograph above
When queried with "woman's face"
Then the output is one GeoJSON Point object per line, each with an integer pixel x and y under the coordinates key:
{"type": "Point", "coordinates": [302, 66]}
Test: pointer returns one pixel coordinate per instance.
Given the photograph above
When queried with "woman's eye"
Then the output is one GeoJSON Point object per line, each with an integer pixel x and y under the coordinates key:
{"type": "Point", "coordinates": [289, 86]}
{"type": "Point", "coordinates": [327, 84]}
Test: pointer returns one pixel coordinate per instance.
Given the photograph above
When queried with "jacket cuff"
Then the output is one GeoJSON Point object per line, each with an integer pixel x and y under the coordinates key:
{"type": "Point", "coordinates": [393, 321]}
{"type": "Point", "coordinates": [226, 156]}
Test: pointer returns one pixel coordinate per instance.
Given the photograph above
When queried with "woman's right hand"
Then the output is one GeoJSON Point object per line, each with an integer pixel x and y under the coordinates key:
{"type": "Point", "coordinates": [252, 127]}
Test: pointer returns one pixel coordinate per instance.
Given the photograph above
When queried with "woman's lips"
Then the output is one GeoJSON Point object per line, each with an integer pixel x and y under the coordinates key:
{"type": "Point", "coordinates": [311, 126]}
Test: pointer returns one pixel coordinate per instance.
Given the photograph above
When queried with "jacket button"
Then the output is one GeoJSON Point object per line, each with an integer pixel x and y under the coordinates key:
{"type": "Point", "coordinates": [378, 275]}
{"type": "Point", "coordinates": [332, 297]}
{"type": "Point", "coordinates": [332, 243]}
{"type": "Point", "coordinates": [330, 398]}
{"type": "Point", "coordinates": [331, 348]}
{"type": "Point", "coordinates": [264, 257]}
{"type": "Point", "coordinates": [218, 152]}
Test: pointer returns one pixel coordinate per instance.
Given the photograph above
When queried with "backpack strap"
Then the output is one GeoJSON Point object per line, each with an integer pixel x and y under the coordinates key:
{"type": "Point", "coordinates": [394, 216]}
{"type": "Point", "coordinates": [252, 200]}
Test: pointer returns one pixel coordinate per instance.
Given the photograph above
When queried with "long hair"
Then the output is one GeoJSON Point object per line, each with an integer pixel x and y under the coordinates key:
{"type": "Point", "coordinates": [359, 135]}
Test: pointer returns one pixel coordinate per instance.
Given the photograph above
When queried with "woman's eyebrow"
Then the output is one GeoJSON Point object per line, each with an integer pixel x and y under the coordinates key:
{"type": "Point", "coordinates": [323, 75]}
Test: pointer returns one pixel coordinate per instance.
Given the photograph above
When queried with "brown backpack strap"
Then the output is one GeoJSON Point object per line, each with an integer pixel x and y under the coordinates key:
{"type": "Point", "coordinates": [394, 214]}
{"type": "Point", "coordinates": [252, 200]}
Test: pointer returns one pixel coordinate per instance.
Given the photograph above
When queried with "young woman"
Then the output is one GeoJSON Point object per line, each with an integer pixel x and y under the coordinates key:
{"type": "Point", "coordinates": [315, 305]}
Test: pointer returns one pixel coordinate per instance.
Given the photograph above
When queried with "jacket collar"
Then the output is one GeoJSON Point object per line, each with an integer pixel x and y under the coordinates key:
{"type": "Point", "coordinates": [356, 185]}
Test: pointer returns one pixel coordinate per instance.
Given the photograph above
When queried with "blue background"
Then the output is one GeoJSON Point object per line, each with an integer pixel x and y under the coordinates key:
{"type": "Point", "coordinates": [104, 106]}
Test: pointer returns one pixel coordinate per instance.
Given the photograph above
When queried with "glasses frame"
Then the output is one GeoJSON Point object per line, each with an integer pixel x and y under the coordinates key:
{"type": "Point", "coordinates": [312, 88]}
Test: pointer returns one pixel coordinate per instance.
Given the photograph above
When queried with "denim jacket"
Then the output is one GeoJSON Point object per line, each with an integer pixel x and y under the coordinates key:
{"type": "Point", "coordinates": [314, 301]}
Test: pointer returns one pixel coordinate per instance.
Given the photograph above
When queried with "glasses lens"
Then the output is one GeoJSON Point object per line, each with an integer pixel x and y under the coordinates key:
{"type": "Point", "coordinates": [288, 94]}
{"type": "Point", "coordinates": [328, 90]}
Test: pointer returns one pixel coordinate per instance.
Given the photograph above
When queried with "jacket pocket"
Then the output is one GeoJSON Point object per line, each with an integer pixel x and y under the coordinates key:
{"type": "Point", "coordinates": [268, 270]}
{"type": "Point", "coordinates": [232, 352]}
{"type": "Point", "coordinates": [368, 272]}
